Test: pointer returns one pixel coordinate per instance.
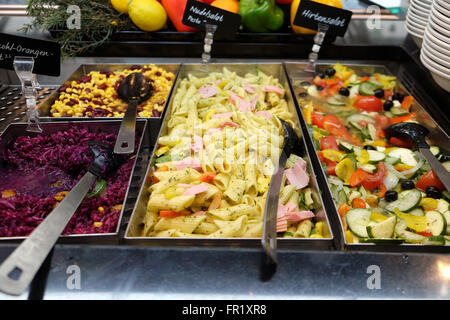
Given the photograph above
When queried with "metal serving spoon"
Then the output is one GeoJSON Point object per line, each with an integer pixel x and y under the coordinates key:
{"type": "Point", "coordinates": [417, 134]}
{"type": "Point", "coordinates": [134, 89]}
{"type": "Point", "coordinates": [291, 144]}
{"type": "Point", "coordinates": [19, 269]}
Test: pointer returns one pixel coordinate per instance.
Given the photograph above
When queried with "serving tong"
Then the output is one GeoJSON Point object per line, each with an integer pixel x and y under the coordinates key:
{"type": "Point", "coordinates": [19, 269]}
{"type": "Point", "coordinates": [291, 144]}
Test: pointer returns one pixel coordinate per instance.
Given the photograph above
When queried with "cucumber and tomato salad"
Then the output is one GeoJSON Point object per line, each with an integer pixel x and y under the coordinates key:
{"type": "Point", "coordinates": [386, 193]}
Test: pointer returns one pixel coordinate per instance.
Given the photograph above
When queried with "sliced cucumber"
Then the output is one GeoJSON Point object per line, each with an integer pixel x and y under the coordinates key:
{"type": "Point", "coordinates": [372, 131]}
{"type": "Point", "coordinates": [446, 165]}
{"type": "Point", "coordinates": [435, 150]}
{"type": "Point", "coordinates": [342, 196]}
{"type": "Point", "coordinates": [384, 229]}
{"type": "Point", "coordinates": [367, 89]}
{"type": "Point", "coordinates": [357, 221]}
{"type": "Point", "coordinates": [390, 181]}
{"type": "Point", "coordinates": [442, 206]}
{"type": "Point", "coordinates": [446, 215]}
{"type": "Point", "coordinates": [354, 90]}
{"type": "Point", "coordinates": [435, 241]}
{"type": "Point", "coordinates": [368, 167]}
{"type": "Point", "coordinates": [400, 231]}
{"type": "Point", "coordinates": [355, 119]}
{"type": "Point", "coordinates": [417, 212]}
{"type": "Point", "coordinates": [436, 222]}
{"type": "Point", "coordinates": [345, 146]}
{"type": "Point", "coordinates": [376, 156]}
{"type": "Point", "coordinates": [388, 114]}
{"type": "Point", "coordinates": [406, 156]}
{"type": "Point", "coordinates": [398, 111]}
{"type": "Point", "coordinates": [363, 191]}
{"type": "Point", "coordinates": [392, 160]}
{"type": "Point", "coordinates": [354, 195]}
{"type": "Point", "coordinates": [375, 83]}
{"type": "Point", "coordinates": [407, 200]}
{"type": "Point", "coordinates": [335, 101]}
{"type": "Point", "coordinates": [312, 91]}
{"type": "Point", "coordinates": [382, 241]}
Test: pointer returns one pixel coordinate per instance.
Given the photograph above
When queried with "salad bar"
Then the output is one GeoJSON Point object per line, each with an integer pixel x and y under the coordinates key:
{"type": "Point", "coordinates": [184, 215]}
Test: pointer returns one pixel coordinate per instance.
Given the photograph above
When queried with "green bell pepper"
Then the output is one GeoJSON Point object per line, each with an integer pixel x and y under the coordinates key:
{"type": "Point", "coordinates": [261, 15]}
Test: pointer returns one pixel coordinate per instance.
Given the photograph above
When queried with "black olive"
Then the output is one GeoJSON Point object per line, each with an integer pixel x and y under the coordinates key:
{"type": "Point", "coordinates": [391, 195]}
{"type": "Point", "coordinates": [321, 75]}
{"type": "Point", "coordinates": [344, 92]}
{"type": "Point", "coordinates": [319, 88]}
{"type": "Point", "coordinates": [369, 147]}
{"type": "Point", "coordinates": [398, 96]}
{"type": "Point", "coordinates": [302, 94]}
{"type": "Point", "coordinates": [444, 158]}
{"type": "Point", "coordinates": [379, 93]}
{"type": "Point", "coordinates": [330, 72]}
{"type": "Point", "coordinates": [408, 185]}
{"type": "Point", "coordinates": [305, 83]}
{"type": "Point", "coordinates": [433, 192]}
{"type": "Point", "coordinates": [388, 104]}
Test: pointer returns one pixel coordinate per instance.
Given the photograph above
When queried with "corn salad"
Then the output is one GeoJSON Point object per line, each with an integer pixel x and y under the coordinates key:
{"type": "Point", "coordinates": [95, 95]}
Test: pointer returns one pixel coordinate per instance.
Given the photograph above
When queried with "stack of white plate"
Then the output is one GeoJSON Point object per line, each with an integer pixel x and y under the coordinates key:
{"type": "Point", "coordinates": [435, 53]}
{"type": "Point", "coordinates": [417, 19]}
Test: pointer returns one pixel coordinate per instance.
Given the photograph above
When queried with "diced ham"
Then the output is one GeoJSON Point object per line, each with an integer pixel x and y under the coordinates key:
{"type": "Point", "coordinates": [193, 163]}
{"type": "Point", "coordinates": [281, 218]}
{"type": "Point", "coordinates": [290, 206]}
{"type": "Point", "coordinates": [207, 91]}
{"type": "Point", "coordinates": [222, 115]}
{"type": "Point", "coordinates": [198, 144]}
{"type": "Point", "coordinates": [249, 88]}
{"type": "Point", "coordinates": [192, 191]}
{"type": "Point", "coordinates": [229, 124]}
{"type": "Point", "coordinates": [244, 105]}
{"type": "Point", "coordinates": [297, 175]}
{"type": "Point", "coordinates": [274, 89]}
{"type": "Point", "coordinates": [296, 216]}
{"type": "Point", "coordinates": [234, 98]}
{"type": "Point", "coordinates": [213, 130]}
{"type": "Point", "coordinates": [184, 185]}
{"type": "Point", "coordinates": [199, 213]}
{"type": "Point", "coordinates": [266, 114]}
{"type": "Point", "coordinates": [302, 163]}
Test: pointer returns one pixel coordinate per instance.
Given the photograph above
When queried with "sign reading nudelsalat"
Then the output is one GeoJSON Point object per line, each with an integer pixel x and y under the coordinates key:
{"type": "Point", "coordinates": [197, 14]}
{"type": "Point", "coordinates": [310, 14]}
{"type": "Point", "coordinates": [46, 54]}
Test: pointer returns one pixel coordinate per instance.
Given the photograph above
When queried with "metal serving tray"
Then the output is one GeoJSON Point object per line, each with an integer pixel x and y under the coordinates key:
{"type": "Point", "coordinates": [15, 130]}
{"type": "Point", "coordinates": [132, 234]}
{"type": "Point", "coordinates": [438, 136]}
{"type": "Point", "coordinates": [83, 70]}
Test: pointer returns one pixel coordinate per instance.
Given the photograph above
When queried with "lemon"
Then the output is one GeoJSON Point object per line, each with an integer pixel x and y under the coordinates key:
{"type": "Point", "coordinates": [120, 5]}
{"type": "Point", "coordinates": [147, 15]}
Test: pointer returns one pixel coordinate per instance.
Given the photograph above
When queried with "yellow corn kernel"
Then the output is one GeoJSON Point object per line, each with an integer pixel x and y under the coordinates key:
{"type": "Point", "coordinates": [101, 209]}
{"type": "Point", "coordinates": [117, 207]}
{"type": "Point", "coordinates": [8, 193]}
{"type": "Point", "coordinates": [60, 195]}
{"type": "Point", "coordinates": [317, 236]}
{"type": "Point", "coordinates": [98, 224]}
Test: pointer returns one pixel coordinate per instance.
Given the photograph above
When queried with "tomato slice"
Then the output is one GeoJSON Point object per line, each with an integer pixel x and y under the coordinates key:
{"type": "Point", "coordinates": [357, 177]}
{"type": "Point", "coordinates": [331, 167]}
{"type": "Point", "coordinates": [332, 124]}
{"type": "Point", "coordinates": [429, 179]}
{"type": "Point", "coordinates": [329, 142]}
{"type": "Point", "coordinates": [372, 181]}
{"type": "Point", "coordinates": [369, 103]}
{"type": "Point", "coordinates": [318, 81]}
{"type": "Point", "coordinates": [399, 142]}
{"type": "Point", "coordinates": [358, 203]}
{"type": "Point", "coordinates": [382, 121]}
{"type": "Point", "coordinates": [317, 119]}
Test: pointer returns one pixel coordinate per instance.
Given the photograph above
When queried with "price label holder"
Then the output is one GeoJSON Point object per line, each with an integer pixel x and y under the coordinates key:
{"type": "Point", "coordinates": [213, 21]}
{"type": "Point", "coordinates": [28, 57]}
{"type": "Point", "coordinates": [326, 20]}
{"type": "Point", "coordinates": [23, 67]}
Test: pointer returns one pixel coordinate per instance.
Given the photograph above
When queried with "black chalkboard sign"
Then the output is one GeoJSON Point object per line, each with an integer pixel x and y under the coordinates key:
{"type": "Point", "coordinates": [46, 54]}
{"type": "Point", "coordinates": [310, 14]}
{"type": "Point", "coordinates": [197, 14]}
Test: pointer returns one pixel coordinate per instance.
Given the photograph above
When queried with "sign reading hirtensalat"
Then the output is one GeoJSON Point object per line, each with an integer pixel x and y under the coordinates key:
{"type": "Point", "coordinates": [46, 54]}
{"type": "Point", "coordinates": [310, 14]}
{"type": "Point", "coordinates": [197, 14]}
